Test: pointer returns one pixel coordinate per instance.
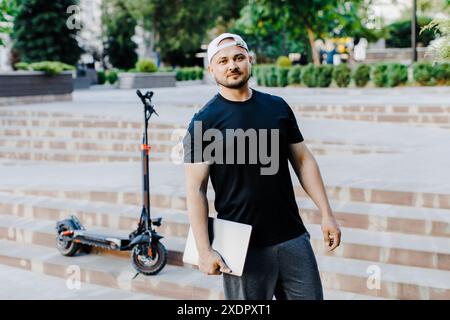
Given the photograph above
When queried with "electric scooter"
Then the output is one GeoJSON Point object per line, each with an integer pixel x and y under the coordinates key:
{"type": "Point", "coordinates": [148, 254]}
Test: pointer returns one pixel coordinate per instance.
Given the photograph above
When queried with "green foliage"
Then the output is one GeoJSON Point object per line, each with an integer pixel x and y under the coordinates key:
{"type": "Point", "coordinates": [396, 74]}
{"type": "Point", "coordinates": [49, 67]}
{"type": "Point", "coordinates": [146, 65]}
{"type": "Point", "coordinates": [440, 49]}
{"type": "Point", "coordinates": [399, 33]}
{"type": "Point", "coordinates": [119, 30]}
{"type": "Point", "coordinates": [271, 76]}
{"type": "Point", "coordinates": [441, 72]}
{"type": "Point", "coordinates": [294, 75]}
{"type": "Point", "coordinates": [101, 77]}
{"type": "Point", "coordinates": [309, 76]}
{"type": "Point", "coordinates": [423, 73]}
{"type": "Point", "coordinates": [379, 75]}
{"type": "Point", "coordinates": [283, 61]}
{"type": "Point", "coordinates": [22, 66]}
{"type": "Point", "coordinates": [361, 75]}
{"type": "Point", "coordinates": [282, 76]}
{"type": "Point", "coordinates": [324, 75]}
{"type": "Point", "coordinates": [8, 10]}
{"type": "Point", "coordinates": [189, 73]}
{"type": "Point", "coordinates": [40, 32]}
{"type": "Point", "coordinates": [274, 28]}
{"type": "Point", "coordinates": [342, 75]}
{"type": "Point", "coordinates": [112, 76]}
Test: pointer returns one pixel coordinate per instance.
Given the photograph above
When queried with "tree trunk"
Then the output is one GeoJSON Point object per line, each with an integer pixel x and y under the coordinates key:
{"type": "Point", "coordinates": [315, 54]}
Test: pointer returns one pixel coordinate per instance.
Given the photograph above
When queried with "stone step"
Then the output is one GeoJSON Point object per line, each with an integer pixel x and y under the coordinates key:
{"type": "Point", "coordinates": [346, 275]}
{"type": "Point", "coordinates": [172, 282]}
{"type": "Point", "coordinates": [358, 215]}
{"type": "Point", "coordinates": [380, 109]}
{"type": "Point", "coordinates": [16, 219]}
{"type": "Point", "coordinates": [428, 119]}
{"type": "Point", "coordinates": [45, 287]}
{"type": "Point", "coordinates": [75, 156]}
{"type": "Point", "coordinates": [82, 123]}
{"type": "Point", "coordinates": [111, 282]}
{"type": "Point", "coordinates": [119, 146]}
{"type": "Point", "coordinates": [87, 133]}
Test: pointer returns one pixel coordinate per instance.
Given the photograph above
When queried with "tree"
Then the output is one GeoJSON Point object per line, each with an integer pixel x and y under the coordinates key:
{"type": "Point", "coordinates": [120, 27]}
{"type": "Point", "coordinates": [40, 31]}
{"type": "Point", "coordinates": [8, 10]}
{"type": "Point", "coordinates": [179, 28]}
{"type": "Point", "coordinates": [291, 21]}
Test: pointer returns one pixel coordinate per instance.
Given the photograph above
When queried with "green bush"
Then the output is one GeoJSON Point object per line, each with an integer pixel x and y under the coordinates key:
{"type": "Point", "coordinates": [178, 74]}
{"type": "Point", "coordinates": [396, 74]}
{"type": "Point", "coordinates": [379, 75]}
{"type": "Point", "coordinates": [309, 76]}
{"type": "Point", "coordinates": [101, 77]}
{"type": "Point", "coordinates": [199, 73]}
{"type": "Point", "coordinates": [423, 73]}
{"type": "Point", "coordinates": [146, 65]}
{"type": "Point", "coordinates": [49, 67]}
{"type": "Point", "coordinates": [441, 73]}
{"type": "Point", "coordinates": [342, 75]}
{"type": "Point", "coordinates": [112, 76]}
{"type": "Point", "coordinates": [324, 75]}
{"type": "Point", "coordinates": [22, 66]}
{"type": "Point", "coordinates": [271, 77]}
{"type": "Point", "coordinates": [361, 75]}
{"type": "Point", "coordinates": [294, 75]}
{"type": "Point", "coordinates": [283, 61]}
{"type": "Point", "coordinates": [399, 33]}
{"type": "Point", "coordinates": [282, 76]}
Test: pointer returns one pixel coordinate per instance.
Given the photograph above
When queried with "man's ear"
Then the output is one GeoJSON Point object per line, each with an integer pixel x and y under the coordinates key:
{"type": "Point", "coordinates": [210, 69]}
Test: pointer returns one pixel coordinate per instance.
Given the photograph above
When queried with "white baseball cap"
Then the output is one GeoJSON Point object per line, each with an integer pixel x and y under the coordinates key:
{"type": "Point", "coordinates": [214, 47]}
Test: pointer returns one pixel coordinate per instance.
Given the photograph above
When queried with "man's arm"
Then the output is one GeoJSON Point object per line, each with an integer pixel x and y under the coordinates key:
{"type": "Point", "coordinates": [308, 173]}
{"type": "Point", "coordinates": [197, 175]}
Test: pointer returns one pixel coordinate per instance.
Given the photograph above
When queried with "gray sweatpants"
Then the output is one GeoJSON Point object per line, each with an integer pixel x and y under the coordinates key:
{"type": "Point", "coordinates": [287, 270]}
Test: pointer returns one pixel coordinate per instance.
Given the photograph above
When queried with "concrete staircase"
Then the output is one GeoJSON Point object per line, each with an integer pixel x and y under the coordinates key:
{"type": "Point", "coordinates": [57, 163]}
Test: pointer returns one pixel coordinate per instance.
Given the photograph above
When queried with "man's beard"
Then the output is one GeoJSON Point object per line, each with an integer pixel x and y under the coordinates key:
{"type": "Point", "coordinates": [236, 85]}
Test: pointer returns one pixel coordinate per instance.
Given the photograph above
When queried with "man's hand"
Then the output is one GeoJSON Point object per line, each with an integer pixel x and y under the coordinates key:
{"type": "Point", "coordinates": [211, 263]}
{"type": "Point", "coordinates": [331, 232]}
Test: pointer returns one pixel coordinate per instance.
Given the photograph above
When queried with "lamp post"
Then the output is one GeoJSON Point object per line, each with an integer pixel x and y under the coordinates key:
{"type": "Point", "coordinates": [413, 31]}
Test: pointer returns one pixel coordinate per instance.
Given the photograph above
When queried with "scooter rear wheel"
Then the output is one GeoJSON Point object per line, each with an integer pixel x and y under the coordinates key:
{"type": "Point", "coordinates": [66, 247]}
{"type": "Point", "coordinates": [144, 264]}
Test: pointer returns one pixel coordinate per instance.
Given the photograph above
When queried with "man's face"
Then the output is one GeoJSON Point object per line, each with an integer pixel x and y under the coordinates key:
{"type": "Point", "coordinates": [231, 67]}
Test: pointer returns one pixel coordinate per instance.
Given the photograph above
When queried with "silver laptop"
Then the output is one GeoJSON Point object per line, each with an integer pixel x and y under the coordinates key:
{"type": "Point", "coordinates": [230, 239]}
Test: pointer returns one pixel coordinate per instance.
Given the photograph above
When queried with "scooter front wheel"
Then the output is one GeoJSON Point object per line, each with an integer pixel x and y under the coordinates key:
{"type": "Point", "coordinates": [144, 263]}
{"type": "Point", "coordinates": [66, 246]}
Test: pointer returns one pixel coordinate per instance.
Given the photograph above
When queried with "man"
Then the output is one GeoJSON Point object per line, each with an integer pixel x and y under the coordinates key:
{"type": "Point", "coordinates": [280, 260]}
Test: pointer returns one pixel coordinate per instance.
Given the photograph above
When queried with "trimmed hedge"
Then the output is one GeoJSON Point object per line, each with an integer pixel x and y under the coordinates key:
{"type": "Point", "coordinates": [189, 73]}
{"type": "Point", "coordinates": [112, 76]}
{"type": "Point", "coordinates": [101, 77]}
{"type": "Point", "coordinates": [282, 76]}
{"type": "Point", "coordinates": [309, 76]}
{"type": "Point", "coordinates": [396, 74]}
{"type": "Point", "coordinates": [324, 75]}
{"type": "Point", "coordinates": [381, 75]}
{"type": "Point", "coordinates": [361, 75]}
{"type": "Point", "coordinates": [284, 61]}
{"type": "Point", "coordinates": [146, 65]}
{"type": "Point", "coordinates": [294, 75]}
{"type": "Point", "coordinates": [49, 67]}
{"type": "Point", "coordinates": [342, 75]}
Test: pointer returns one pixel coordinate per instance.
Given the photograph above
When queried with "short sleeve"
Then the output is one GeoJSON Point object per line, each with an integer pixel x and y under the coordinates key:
{"type": "Point", "coordinates": [293, 132]}
{"type": "Point", "coordinates": [193, 144]}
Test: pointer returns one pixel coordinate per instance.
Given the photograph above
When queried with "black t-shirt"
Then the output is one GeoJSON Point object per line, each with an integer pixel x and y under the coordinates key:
{"type": "Point", "coordinates": [250, 189]}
